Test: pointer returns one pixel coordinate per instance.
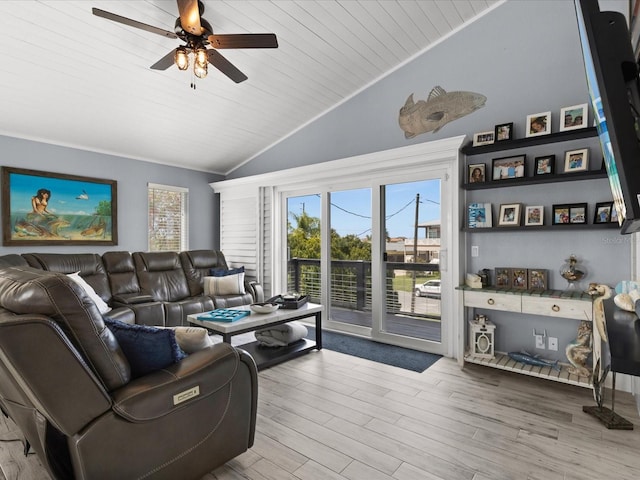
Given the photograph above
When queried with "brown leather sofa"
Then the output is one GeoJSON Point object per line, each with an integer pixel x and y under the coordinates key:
{"type": "Point", "coordinates": [149, 288]}
{"type": "Point", "coordinates": [66, 383]}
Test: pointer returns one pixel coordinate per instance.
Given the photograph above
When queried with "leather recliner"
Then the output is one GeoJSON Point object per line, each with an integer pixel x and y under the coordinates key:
{"type": "Point", "coordinates": [66, 383]}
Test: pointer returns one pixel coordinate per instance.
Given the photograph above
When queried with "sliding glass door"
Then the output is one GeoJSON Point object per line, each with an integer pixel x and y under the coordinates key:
{"type": "Point", "coordinates": [372, 254]}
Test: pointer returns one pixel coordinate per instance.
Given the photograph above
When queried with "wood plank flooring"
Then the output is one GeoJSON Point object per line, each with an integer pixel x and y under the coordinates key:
{"type": "Point", "coordinates": [332, 416]}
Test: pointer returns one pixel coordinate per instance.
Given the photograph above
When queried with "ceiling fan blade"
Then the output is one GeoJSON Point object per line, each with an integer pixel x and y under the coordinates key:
{"type": "Point", "coordinates": [133, 23]}
{"type": "Point", "coordinates": [225, 66]}
{"type": "Point", "coordinates": [165, 62]}
{"type": "Point", "coordinates": [190, 16]}
{"type": "Point", "coordinates": [244, 40]}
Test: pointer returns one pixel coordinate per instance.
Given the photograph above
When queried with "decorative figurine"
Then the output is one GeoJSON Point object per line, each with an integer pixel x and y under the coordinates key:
{"type": "Point", "coordinates": [578, 351]}
{"type": "Point", "coordinates": [572, 272]}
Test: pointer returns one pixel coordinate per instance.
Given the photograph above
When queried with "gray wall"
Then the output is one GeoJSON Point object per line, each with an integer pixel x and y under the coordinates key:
{"type": "Point", "coordinates": [132, 177]}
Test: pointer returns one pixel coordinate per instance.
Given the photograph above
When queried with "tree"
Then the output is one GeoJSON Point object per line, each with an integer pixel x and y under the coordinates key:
{"type": "Point", "coordinates": [304, 241]}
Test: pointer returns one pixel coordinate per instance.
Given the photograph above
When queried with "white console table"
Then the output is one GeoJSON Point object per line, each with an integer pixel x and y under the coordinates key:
{"type": "Point", "coordinates": [551, 303]}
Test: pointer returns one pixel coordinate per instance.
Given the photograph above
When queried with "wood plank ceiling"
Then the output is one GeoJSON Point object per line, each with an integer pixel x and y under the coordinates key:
{"type": "Point", "coordinates": [70, 78]}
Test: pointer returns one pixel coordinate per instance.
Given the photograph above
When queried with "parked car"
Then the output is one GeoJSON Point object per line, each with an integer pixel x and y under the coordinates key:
{"type": "Point", "coordinates": [430, 288]}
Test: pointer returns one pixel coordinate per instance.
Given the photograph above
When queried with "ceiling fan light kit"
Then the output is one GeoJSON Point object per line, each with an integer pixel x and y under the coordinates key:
{"type": "Point", "coordinates": [197, 34]}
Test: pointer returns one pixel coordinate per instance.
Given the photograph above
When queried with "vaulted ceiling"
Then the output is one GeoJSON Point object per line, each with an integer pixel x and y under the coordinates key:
{"type": "Point", "coordinates": [70, 78]}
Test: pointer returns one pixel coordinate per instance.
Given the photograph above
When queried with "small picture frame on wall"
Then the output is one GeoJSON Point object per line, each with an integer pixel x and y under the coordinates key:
{"type": "Point", "coordinates": [603, 212]}
{"type": "Point", "coordinates": [538, 124]}
{"type": "Point", "coordinates": [544, 165]}
{"type": "Point", "coordinates": [503, 277]}
{"type": "Point", "coordinates": [476, 173]}
{"type": "Point", "coordinates": [533, 215]}
{"type": "Point", "coordinates": [504, 131]}
{"type": "Point", "coordinates": [576, 160]}
{"type": "Point", "coordinates": [509, 215]}
{"type": "Point", "coordinates": [519, 278]}
{"type": "Point", "coordinates": [537, 279]}
{"type": "Point", "coordinates": [574, 117]}
{"type": "Point", "coordinates": [570, 213]}
{"type": "Point", "coordinates": [508, 167]}
{"type": "Point", "coordinates": [483, 138]}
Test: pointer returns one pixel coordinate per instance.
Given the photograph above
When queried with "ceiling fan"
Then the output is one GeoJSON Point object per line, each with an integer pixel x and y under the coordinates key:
{"type": "Point", "coordinates": [197, 34]}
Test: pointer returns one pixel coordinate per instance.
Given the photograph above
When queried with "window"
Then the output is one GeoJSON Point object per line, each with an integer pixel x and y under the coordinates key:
{"type": "Point", "coordinates": [168, 218]}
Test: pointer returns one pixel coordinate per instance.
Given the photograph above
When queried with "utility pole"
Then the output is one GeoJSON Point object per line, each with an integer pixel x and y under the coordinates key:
{"type": "Point", "coordinates": [415, 254]}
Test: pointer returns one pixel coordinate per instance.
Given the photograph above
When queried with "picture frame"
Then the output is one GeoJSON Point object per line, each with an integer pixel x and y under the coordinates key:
{"type": "Point", "coordinates": [538, 124]}
{"type": "Point", "coordinates": [503, 277]}
{"type": "Point", "coordinates": [569, 214]}
{"type": "Point", "coordinates": [509, 215]}
{"type": "Point", "coordinates": [537, 279]}
{"type": "Point", "coordinates": [477, 173]}
{"type": "Point", "coordinates": [479, 215]}
{"type": "Point", "coordinates": [533, 215]}
{"type": "Point", "coordinates": [503, 131]}
{"type": "Point", "coordinates": [483, 138]}
{"type": "Point", "coordinates": [576, 160]}
{"type": "Point", "coordinates": [506, 168]}
{"type": "Point", "coordinates": [544, 165]}
{"type": "Point", "coordinates": [519, 279]}
{"type": "Point", "coordinates": [44, 208]}
{"type": "Point", "coordinates": [603, 212]}
{"type": "Point", "coordinates": [574, 117]}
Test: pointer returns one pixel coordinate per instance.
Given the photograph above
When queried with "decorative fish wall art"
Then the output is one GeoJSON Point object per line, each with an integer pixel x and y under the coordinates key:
{"type": "Point", "coordinates": [440, 108]}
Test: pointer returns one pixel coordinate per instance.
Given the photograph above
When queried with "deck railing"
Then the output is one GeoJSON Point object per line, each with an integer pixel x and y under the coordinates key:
{"type": "Point", "coordinates": [351, 283]}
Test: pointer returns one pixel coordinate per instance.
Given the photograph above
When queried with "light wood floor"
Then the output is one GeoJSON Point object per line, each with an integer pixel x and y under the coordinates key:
{"type": "Point", "coordinates": [332, 416]}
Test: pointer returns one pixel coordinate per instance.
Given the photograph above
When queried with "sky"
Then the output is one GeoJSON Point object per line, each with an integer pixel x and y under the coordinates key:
{"type": "Point", "coordinates": [66, 195]}
{"type": "Point", "coordinates": [351, 209]}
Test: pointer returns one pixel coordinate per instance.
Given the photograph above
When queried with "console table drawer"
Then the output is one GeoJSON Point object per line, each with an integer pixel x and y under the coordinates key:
{"type": "Point", "coordinates": [558, 307]}
{"type": "Point", "coordinates": [493, 301]}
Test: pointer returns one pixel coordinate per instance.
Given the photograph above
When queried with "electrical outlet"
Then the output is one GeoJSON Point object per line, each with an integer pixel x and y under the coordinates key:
{"type": "Point", "coordinates": [539, 342]}
{"type": "Point", "coordinates": [553, 343]}
{"type": "Point", "coordinates": [475, 251]}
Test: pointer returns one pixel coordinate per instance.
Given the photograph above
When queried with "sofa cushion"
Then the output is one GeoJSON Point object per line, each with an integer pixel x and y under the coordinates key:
{"type": "Point", "coordinates": [191, 339]}
{"type": "Point", "coordinates": [101, 304]}
{"type": "Point", "coordinates": [227, 285]}
{"type": "Point", "coordinates": [223, 272]}
{"type": "Point", "coordinates": [147, 348]}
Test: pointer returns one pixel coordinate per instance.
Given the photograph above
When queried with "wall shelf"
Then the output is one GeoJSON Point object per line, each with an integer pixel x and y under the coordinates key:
{"type": "Point", "coordinates": [469, 149]}
{"type": "Point", "coordinates": [555, 228]}
{"type": "Point", "coordinates": [536, 180]}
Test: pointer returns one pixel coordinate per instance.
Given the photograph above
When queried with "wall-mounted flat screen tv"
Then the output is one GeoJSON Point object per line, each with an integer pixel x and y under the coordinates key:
{"type": "Point", "coordinates": [614, 89]}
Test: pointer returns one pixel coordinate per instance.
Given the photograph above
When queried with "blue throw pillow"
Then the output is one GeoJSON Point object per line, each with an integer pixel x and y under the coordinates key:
{"type": "Point", "coordinates": [147, 348]}
{"type": "Point", "coordinates": [223, 272]}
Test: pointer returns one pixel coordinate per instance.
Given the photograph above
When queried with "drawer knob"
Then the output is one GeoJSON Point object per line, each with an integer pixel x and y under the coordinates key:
{"type": "Point", "coordinates": [491, 301]}
{"type": "Point", "coordinates": [555, 308]}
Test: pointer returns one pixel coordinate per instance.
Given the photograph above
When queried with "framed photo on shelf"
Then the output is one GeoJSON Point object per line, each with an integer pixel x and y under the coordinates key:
{"type": "Point", "coordinates": [508, 167]}
{"type": "Point", "coordinates": [576, 160]}
{"type": "Point", "coordinates": [504, 131]}
{"type": "Point", "coordinates": [503, 277]}
{"type": "Point", "coordinates": [509, 215]}
{"type": "Point", "coordinates": [537, 279]}
{"type": "Point", "coordinates": [544, 165]}
{"type": "Point", "coordinates": [479, 215]}
{"type": "Point", "coordinates": [570, 213]}
{"type": "Point", "coordinates": [603, 212]}
{"type": "Point", "coordinates": [538, 124]}
{"type": "Point", "coordinates": [483, 138]}
{"type": "Point", "coordinates": [476, 173]}
{"type": "Point", "coordinates": [574, 117]}
{"type": "Point", "coordinates": [533, 215]}
{"type": "Point", "coordinates": [519, 278]}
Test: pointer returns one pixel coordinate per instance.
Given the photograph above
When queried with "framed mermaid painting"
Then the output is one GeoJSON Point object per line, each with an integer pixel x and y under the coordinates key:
{"type": "Point", "coordinates": [43, 208]}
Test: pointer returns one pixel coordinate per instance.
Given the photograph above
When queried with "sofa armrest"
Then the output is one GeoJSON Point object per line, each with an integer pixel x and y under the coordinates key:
{"type": "Point", "coordinates": [255, 289]}
{"type": "Point", "coordinates": [122, 314]}
{"type": "Point", "coordinates": [204, 373]}
{"type": "Point", "coordinates": [132, 298]}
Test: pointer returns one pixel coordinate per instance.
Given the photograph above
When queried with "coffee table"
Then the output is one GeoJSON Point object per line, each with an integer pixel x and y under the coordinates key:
{"type": "Point", "coordinates": [267, 356]}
